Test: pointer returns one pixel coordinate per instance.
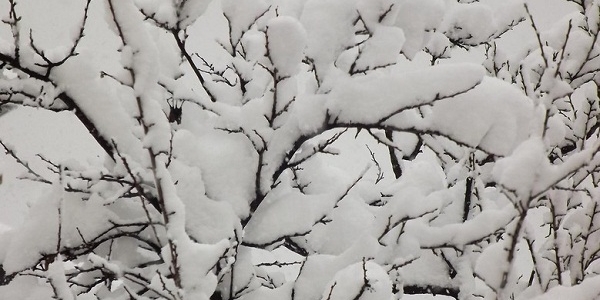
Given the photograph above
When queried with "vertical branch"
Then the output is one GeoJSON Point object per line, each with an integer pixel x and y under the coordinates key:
{"type": "Point", "coordinates": [181, 44]}
{"type": "Point", "coordinates": [590, 229]}
{"type": "Point", "coordinates": [469, 187]}
{"type": "Point", "coordinates": [563, 49]}
{"type": "Point", "coordinates": [15, 28]}
{"type": "Point", "coordinates": [377, 165]}
{"type": "Point", "coordinates": [554, 226]}
{"type": "Point", "coordinates": [389, 134]}
{"type": "Point", "coordinates": [232, 291]}
{"type": "Point", "coordinates": [535, 272]}
{"type": "Point", "coordinates": [154, 164]}
{"type": "Point", "coordinates": [537, 35]}
{"type": "Point", "coordinates": [514, 241]}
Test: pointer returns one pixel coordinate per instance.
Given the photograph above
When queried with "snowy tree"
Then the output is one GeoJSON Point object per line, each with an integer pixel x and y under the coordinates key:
{"type": "Point", "coordinates": [235, 162]}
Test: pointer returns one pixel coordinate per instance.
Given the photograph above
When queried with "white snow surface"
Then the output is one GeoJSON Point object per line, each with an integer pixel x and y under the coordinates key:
{"type": "Point", "coordinates": [367, 279]}
{"type": "Point", "coordinates": [286, 42]}
{"type": "Point", "coordinates": [460, 105]}
{"type": "Point", "coordinates": [286, 212]}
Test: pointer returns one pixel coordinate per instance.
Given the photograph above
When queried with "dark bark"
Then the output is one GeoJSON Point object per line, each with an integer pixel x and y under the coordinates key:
{"type": "Point", "coordinates": [393, 158]}
{"type": "Point", "coordinates": [433, 290]}
{"type": "Point", "coordinates": [468, 193]}
{"type": "Point", "coordinates": [5, 278]}
{"type": "Point", "coordinates": [89, 125]}
{"type": "Point", "coordinates": [70, 102]}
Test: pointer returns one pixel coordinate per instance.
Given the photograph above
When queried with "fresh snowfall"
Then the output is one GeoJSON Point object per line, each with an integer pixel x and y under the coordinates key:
{"type": "Point", "coordinates": [299, 149]}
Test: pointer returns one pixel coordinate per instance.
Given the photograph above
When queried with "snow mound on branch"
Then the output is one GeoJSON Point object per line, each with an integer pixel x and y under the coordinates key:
{"type": "Point", "coordinates": [417, 18]}
{"type": "Point", "coordinates": [198, 260]}
{"type": "Point", "coordinates": [520, 171]}
{"type": "Point", "coordinates": [181, 12]}
{"type": "Point", "coordinates": [330, 30]}
{"type": "Point", "coordinates": [376, 97]}
{"type": "Point", "coordinates": [589, 289]}
{"type": "Point", "coordinates": [191, 10]}
{"type": "Point", "coordinates": [367, 279]}
{"type": "Point", "coordinates": [101, 104]}
{"type": "Point", "coordinates": [279, 293]}
{"type": "Point", "coordinates": [456, 98]}
{"type": "Point", "coordinates": [226, 163]}
{"type": "Point", "coordinates": [492, 264]}
{"type": "Point", "coordinates": [207, 221]}
{"type": "Point", "coordinates": [22, 246]}
{"type": "Point", "coordinates": [162, 11]}
{"type": "Point", "coordinates": [349, 221]}
{"type": "Point", "coordinates": [494, 116]}
{"type": "Point", "coordinates": [381, 49]}
{"type": "Point", "coordinates": [286, 43]}
{"type": "Point", "coordinates": [471, 23]}
{"type": "Point", "coordinates": [241, 14]}
{"type": "Point", "coordinates": [319, 270]}
{"type": "Point", "coordinates": [286, 212]}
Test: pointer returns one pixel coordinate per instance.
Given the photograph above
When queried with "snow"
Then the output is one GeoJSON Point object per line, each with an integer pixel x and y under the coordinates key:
{"type": "Point", "coordinates": [329, 28]}
{"type": "Point", "coordinates": [196, 261]}
{"type": "Point", "coordinates": [459, 103]}
{"type": "Point", "coordinates": [282, 292]}
{"type": "Point", "coordinates": [286, 42]}
{"type": "Point", "coordinates": [593, 16]}
{"type": "Point", "coordinates": [254, 42]}
{"type": "Point", "coordinates": [80, 80]}
{"type": "Point", "coordinates": [588, 289]}
{"type": "Point", "coordinates": [226, 164]}
{"type": "Point", "coordinates": [207, 220]}
{"type": "Point", "coordinates": [286, 212]}
{"type": "Point", "coordinates": [349, 221]}
{"type": "Point", "coordinates": [318, 270]}
{"type": "Point", "coordinates": [375, 97]}
{"type": "Point", "coordinates": [25, 288]}
{"type": "Point", "coordinates": [58, 280]}
{"type": "Point", "coordinates": [491, 265]}
{"type": "Point", "coordinates": [468, 119]}
{"type": "Point", "coordinates": [522, 169]}
{"type": "Point", "coordinates": [367, 277]}
{"type": "Point", "coordinates": [460, 234]}
{"type": "Point", "coordinates": [470, 23]}
{"type": "Point", "coordinates": [382, 48]}
{"type": "Point", "coordinates": [191, 10]}
{"type": "Point", "coordinates": [162, 11]}
{"type": "Point", "coordinates": [438, 45]}
{"type": "Point", "coordinates": [213, 173]}
{"type": "Point", "coordinates": [241, 14]}
{"type": "Point", "coordinates": [38, 235]}
{"type": "Point", "coordinates": [417, 18]}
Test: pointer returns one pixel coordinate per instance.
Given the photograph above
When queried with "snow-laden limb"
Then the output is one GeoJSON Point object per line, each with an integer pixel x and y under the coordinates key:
{"type": "Point", "coordinates": [376, 98]}
{"type": "Point", "coordinates": [173, 14]}
{"type": "Point", "coordinates": [372, 283]}
{"type": "Point", "coordinates": [286, 40]}
{"type": "Point", "coordinates": [416, 18]}
{"type": "Point", "coordinates": [241, 15]}
{"type": "Point", "coordinates": [329, 31]}
{"type": "Point", "coordinates": [25, 245]}
{"type": "Point", "coordinates": [286, 214]}
{"type": "Point", "coordinates": [79, 80]}
{"type": "Point", "coordinates": [58, 281]}
{"type": "Point", "coordinates": [467, 118]}
{"type": "Point", "coordinates": [457, 107]}
{"type": "Point", "coordinates": [587, 289]}
{"type": "Point", "coordinates": [319, 270]}
{"type": "Point", "coordinates": [233, 128]}
{"type": "Point", "coordinates": [459, 235]}
{"type": "Point", "coordinates": [380, 50]}
{"type": "Point", "coordinates": [470, 24]}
